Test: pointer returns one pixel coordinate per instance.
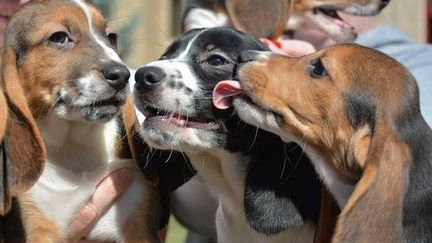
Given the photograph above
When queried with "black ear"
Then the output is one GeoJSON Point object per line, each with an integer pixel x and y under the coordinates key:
{"type": "Point", "coordinates": [281, 194]}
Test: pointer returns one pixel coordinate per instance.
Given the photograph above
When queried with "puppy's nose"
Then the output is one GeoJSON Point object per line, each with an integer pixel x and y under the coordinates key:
{"type": "Point", "coordinates": [149, 75]}
{"type": "Point", "coordinates": [383, 4]}
{"type": "Point", "coordinates": [117, 75]}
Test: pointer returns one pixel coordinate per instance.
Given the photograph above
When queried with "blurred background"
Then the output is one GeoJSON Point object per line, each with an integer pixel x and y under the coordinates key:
{"type": "Point", "coordinates": [146, 27]}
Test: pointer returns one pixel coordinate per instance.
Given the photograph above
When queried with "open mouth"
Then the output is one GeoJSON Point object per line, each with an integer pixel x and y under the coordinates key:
{"type": "Point", "coordinates": [333, 16]}
{"type": "Point", "coordinates": [108, 102]}
{"type": "Point", "coordinates": [115, 102]}
{"type": "Point", "coordinates": [154, 114]}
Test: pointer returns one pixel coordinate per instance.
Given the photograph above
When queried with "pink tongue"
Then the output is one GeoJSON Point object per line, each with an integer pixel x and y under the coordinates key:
{"type": "Point", "coordinates": [223, 93]}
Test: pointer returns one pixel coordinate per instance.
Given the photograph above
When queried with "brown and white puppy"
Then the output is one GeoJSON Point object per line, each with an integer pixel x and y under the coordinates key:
{"type": "Point", "coordinates": [270, 18]}
{"type": "Point", "coordinates": [355, 112]}
{"type": "Point", "coordinates": [64, 56]}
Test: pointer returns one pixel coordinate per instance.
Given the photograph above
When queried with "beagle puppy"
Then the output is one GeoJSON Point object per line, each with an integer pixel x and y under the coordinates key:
{"type": "Point", "coordinates": [262, 185]}
{"type": "Point", "coordinates": [355, 112]}
{"type": "Point", "coordinates": [272, 18]}
{"type": "Point", "coordinates": [76, 87]}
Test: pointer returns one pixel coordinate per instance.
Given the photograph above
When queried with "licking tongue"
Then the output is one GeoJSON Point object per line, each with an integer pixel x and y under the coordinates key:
{"type": "Point", "coordinates": [224, 92]}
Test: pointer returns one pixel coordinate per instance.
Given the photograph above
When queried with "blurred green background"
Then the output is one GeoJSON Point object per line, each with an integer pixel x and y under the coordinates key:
{"type": "Point", "coordinates": [176, 232]}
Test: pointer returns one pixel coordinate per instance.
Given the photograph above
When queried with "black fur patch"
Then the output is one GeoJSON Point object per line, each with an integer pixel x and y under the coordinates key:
{"type": "Point", "coordinates": [361, 110]}
{"type": "Point", "coordinates": [281, 194]}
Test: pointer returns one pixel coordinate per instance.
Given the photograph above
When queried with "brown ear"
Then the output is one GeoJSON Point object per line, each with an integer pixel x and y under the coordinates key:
{"type": "Point", "coordinates": [329, 211]}
{"type": "Point", "coordinates": [259, 18]}
{"type": "Point", "coordinates": [22, 142]}
{"type": "Point", "coordinates": [373, 213]}
{"type": "Point", "coordinates": [136, 144]}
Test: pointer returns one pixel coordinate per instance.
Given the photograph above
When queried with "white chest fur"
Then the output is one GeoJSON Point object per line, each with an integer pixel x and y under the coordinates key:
{"type": "Point", "coordinates": [225, 174]}
{"type": "Point", "coordinates": [79, 156]}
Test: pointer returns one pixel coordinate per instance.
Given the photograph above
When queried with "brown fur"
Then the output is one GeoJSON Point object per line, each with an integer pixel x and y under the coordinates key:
{"type": "Point", "coordinates": [139, 228]}
{"type": "Point", "coordinates": [367, 153]}
{"type": "Point", "coordinates": [38, 228]}
{"type": "Point", "coordinates": [40, 78]}
{"type": "Point", "coordinates": [327, 218]}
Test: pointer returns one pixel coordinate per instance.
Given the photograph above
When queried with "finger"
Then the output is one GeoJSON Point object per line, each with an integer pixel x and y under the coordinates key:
{"type": "Point", "coordinates": [108, 190]}
{"type": "Point", "coordinates": [296, 47]}
{"type": "Point", "coordinates": [289, 47]}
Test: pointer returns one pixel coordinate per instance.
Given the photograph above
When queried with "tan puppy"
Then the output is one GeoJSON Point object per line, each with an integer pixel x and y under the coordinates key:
{"type": "Point", "coordinates": [270, 18]}
{"type": "Point", "coordinates": [64, 56]}
{"type": "Point", "coordinates": [355, 112]}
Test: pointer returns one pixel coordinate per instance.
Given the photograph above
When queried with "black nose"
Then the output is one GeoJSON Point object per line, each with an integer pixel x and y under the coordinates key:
{"type": "Point", "coordinates": [149, 75]}
{"type": "Point", "coordinates": [117, 75]}
{"type": "Point", "coordinates": [383, 4]}
{"type": "Point", "coordinates": [247, 56]}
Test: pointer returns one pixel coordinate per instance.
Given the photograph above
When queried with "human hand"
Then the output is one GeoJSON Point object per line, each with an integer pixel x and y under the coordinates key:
{"type": "Point", "coordinates": [289, 47]}
{"type": "Point", "coordinates": [108, 190]}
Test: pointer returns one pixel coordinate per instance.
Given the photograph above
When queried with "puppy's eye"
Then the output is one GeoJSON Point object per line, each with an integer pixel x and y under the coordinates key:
{"type": "Point", "coordinates": [317, 69]}
{"type": "Point", "coordinates": [216, 60]}
{"type": "Point", "coordinates": [60, 38]}
{"type": "Point", "coordinates": [112, 37]}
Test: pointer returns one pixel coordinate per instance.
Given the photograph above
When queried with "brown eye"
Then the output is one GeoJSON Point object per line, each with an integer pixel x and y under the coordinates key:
{"type": "Point", "coordinates": [60, 38]}
{"type": "Point", "coordinates": [112, 37]}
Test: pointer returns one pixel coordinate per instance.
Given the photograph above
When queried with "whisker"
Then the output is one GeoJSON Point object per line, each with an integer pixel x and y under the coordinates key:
{"type": "Point", "coordinates": [169, 157]}
{"type": "Point", "coordinates": [254, 140]}
{"type": "Point", "coordinates": [186, 161]}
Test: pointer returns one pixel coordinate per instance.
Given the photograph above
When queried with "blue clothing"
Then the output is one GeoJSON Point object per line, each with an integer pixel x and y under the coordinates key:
{"type": "Point", "coordinates": [417, 58]}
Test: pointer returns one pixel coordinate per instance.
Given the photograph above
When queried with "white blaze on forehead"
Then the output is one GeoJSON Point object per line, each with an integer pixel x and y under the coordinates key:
{"type": "Point", "coordinates": [183, 55]}
{"type": "Point", "coordinates": [179, 64]}
{"type": "Point", "coordinates": [110, 53]}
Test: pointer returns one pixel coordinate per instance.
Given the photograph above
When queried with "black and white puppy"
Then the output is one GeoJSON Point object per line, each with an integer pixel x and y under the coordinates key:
{"type": "Point", "coordinates": [267, 190]}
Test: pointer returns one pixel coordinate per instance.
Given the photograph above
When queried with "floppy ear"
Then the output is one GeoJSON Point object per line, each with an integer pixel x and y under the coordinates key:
{"type": "Point", "coordinates": [259, 18]}
{"type": "Point", "coordinates": [22, 143]}
{"type": "Point", "coordinates": [278, 198]}
{"type": "Point", "coordinates": [3, 114]}
{"type": "Point", "coordinates": [373, 213]}
{"type": "Point", "coordinates": [162, 169]}
{"type": "Point", "coordinates": [329, 211]}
